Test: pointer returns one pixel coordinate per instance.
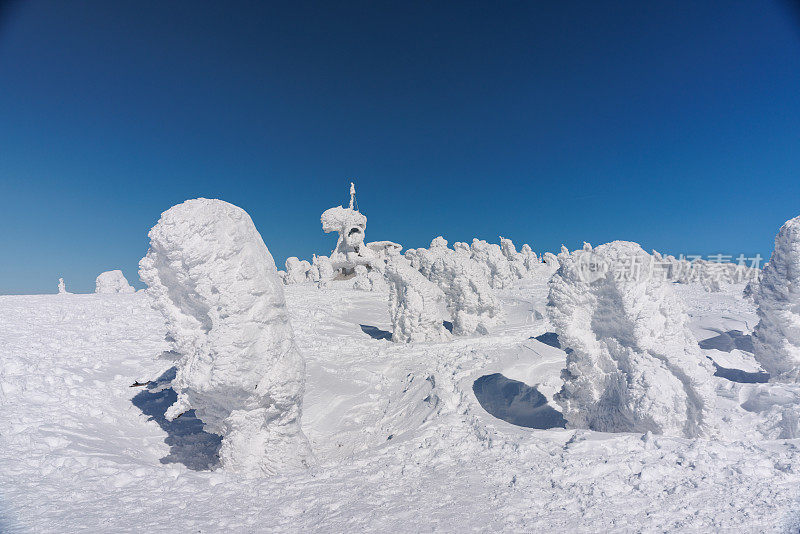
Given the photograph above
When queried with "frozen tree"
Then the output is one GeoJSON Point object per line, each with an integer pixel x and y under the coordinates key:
{"type": "Point", "coordinates": [516, 261]}
{"type": "Point", "coordinates": [491, 258]}
{"type": "Point", "coordinates": [472, 304]}
{"type": "Point", "coordinates": [414, 304]}
{"type": "Point", "coordinates": [210, 274]}
{"type": "Point", "coordinates": [529, 258]}
{"type": "Point", "coordinates": [62, 287]}
{"type": "Point", "coordinates": [633, 364]}
{"type": "Point", "coordinates": [776, 337]}
{"type": "Point", "coordinates": [323, 266]}
{"type": "Point", "coordinates": [297, 271]}
{"type": "Point", "coordinates": [112, 282]}
{"type": "Point", "coordinates": [361, 281]}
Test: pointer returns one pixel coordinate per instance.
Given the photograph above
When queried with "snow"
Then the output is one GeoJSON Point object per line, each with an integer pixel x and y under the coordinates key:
{"type": "Point", "coordinates": [81, 450]}
{"type": "Point", "coordinates": [210, 274]}
{"type": "Point", "coordinates": [62, 287]}
{"type": "Point", "coordinates": [777, 295]}
{"type": "Point", "coordinates": [415, 304]}
{"type": "Point", "coordinates": [634, 365]}
{"type": "Point", "coordinates": [112, 282]}
{"type": "Point", "coordinates": [472, 304]}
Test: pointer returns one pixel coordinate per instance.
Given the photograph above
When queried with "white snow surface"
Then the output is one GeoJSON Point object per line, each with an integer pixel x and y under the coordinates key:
{"type": "Point", "coordinates": [777, 295]}
{"type": "Point", "coordinates": [634, 365]}
{"type": "Point", "coordinates": [112, 282]}
{"type": "Point", "coordinates": [402, 442]}
{"type": "Point", "coordinates": [210, 274]}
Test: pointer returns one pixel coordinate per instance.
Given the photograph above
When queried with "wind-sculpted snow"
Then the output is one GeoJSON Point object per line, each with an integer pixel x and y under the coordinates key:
{"type": "Point", "coordinates": [210, 274]}
{"type": "Point", "coordinates": [777, 295]}
{"type": "Point", "coordinates": [414, 304]}
{"type": "Point", "coordinates": [633, 364]}
{"type": "Point", "coordinates": [472, 304]}
{"type": "Point", "coordinates": [112, 282]}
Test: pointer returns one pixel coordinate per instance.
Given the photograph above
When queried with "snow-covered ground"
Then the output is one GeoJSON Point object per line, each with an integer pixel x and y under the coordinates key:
{"type": "Point", "coordinates": [401, 432]}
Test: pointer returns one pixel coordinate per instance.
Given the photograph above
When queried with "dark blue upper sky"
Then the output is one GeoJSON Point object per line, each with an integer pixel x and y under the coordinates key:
{"type": "Point", "coordinates": [674, 124]}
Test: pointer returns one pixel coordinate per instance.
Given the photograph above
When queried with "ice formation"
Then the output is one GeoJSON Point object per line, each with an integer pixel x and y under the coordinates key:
{"type": "Point", "coordinates": [777, 336]}
{"type": "Point", "coordinates": [414, 304]}
{"type": "Point", "coordinates": [633, 364]}
{"type": "Point", "coordinates": [62, 287]}
{"type": "Point", "coordinates": [112, 282]}
{"type": "Point", "coordinates": [472, 304]}
{"type": "Point", "coordinates": [210, 274]}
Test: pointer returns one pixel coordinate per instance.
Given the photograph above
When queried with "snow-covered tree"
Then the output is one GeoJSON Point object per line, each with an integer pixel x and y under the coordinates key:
{"type": "Point", "coordinates": [62, 287]}
{"type": "Point", "coordinates": [297, 271]}
{"type": "Point", "coordinates": [112, 282]}
{"type": "Point", "coordinates": [210, 274]}
{"type": "Point", "coordinates": [776, 338]}
{"type": "Point", "coordinates": [414, 304]}
{"type": "Point", "coordinates": [633, 364]}
{"type": "Point", "coordinates": [473, 306]}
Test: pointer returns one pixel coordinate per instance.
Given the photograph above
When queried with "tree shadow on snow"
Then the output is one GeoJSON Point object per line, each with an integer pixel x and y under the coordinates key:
{"type": "Point", "coordinates": [728, 341]}
{"type": "Point", "coordinates": [551, 339]}
{"type": "Point", "coordinates": [516, 402]}
{"type": "Point", "coordinates": [737, 375]}
{"type": "Point", "coordinates": [190, 445]}
{"type": "Point", "coordinates": [374, 332]}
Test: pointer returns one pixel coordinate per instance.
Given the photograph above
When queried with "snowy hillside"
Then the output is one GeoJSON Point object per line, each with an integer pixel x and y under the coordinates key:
{"type": "Point", "coordinates": [433, 436]}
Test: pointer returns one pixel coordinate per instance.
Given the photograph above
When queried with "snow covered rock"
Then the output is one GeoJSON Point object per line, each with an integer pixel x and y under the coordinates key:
{"type": "Point", "coordinates": [633, 364]}
{"type": "Point", "coordinates": [210, 274]}
{"type": "Point", "coordinates": [112, 282]}
{"type": "Point", "coordinates": [414, 304]}
{"type": "Point", "coordinates": [776, 338]}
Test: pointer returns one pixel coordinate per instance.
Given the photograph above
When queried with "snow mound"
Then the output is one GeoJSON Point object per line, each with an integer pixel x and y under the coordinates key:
{"type": "Point", "coordinates": [777, 336]}
{"type": "Point", "coordinates": [113, 282]}
{"type": "Point", "coordinates": [210, 274]}
{"type": "Point", "coordinates": [414, 302]}
{"type": "Point", "coordinates": [632, 364]}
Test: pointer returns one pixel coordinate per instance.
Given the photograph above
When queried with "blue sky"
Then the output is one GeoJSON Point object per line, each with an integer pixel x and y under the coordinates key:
{"type": "Point", "coordinates": [673, 124]}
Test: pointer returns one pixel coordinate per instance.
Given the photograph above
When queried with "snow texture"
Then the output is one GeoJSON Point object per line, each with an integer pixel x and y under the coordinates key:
{"type": "Point", "coordinates": [210, 274]}
{"type": "Point", "coordinates": [415, 303]}
{"type": "Point", "coordinates": [777, 295]}
{"type": "Point", "coordinates": [633, 364]}
{"type": "Point", "coordinates": [112, 282]}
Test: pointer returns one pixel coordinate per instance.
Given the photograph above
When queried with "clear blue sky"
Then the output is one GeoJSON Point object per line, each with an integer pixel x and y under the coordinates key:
{"type": "Point", "coordinates": [674, 124]}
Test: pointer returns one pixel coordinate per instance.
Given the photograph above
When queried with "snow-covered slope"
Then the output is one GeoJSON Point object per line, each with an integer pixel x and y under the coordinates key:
{"type": "Point", "coordinates": [402, 440]}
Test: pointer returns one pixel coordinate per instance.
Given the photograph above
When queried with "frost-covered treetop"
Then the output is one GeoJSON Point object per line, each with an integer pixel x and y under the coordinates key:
{"type": "Point", "coordinates": [777, 335]}
{"type": "Point", "coordinates": [339, 219]}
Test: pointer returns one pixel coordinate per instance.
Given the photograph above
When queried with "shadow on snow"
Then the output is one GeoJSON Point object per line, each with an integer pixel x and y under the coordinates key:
{"type": "Point", "coordinates": [189, 444]}
{"type": "Point", "coordinates": [516, 402]}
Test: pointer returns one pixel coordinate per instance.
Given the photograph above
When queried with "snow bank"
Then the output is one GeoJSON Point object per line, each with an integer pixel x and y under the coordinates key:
{"type": "Point", "coordinates": [210, 274]}
{"type": "Point", "coordinates": [112, 282]}
{"type": "Point", "coordinates": [633, 364]}
{"type": "Point", "coordinates": [776, 338]}
{"type": "Point", "coordinates": [414, 305]}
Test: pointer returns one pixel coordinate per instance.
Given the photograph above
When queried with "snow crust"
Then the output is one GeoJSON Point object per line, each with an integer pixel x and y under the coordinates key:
{"type": "Point", "coordinates": [212, 277]}
{"type": "Point", "coordinates": [633, 364]}
{"type": "Point", "coordinates": [112, 282]}
{"type": "Point", "coordinates": [776, 338]}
